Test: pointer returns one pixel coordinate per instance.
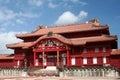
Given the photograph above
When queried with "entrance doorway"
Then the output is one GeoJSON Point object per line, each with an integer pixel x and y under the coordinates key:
{"type": "Point", "coordinates": [52, 59]}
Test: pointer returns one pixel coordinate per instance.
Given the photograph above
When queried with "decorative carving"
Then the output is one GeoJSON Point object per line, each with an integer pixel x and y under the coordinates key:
{"type": "Point", "coordinates": [50, 43]}
{"type": "Point", "coordinates": [94, 20]}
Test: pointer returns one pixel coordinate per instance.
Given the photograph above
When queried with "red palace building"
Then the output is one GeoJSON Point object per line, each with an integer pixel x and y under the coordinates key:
{"type": "Point", "coordinates": [84, 44]}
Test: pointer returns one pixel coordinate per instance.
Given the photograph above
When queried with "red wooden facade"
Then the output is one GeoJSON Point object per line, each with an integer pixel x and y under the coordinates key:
{"type": "Point", "coordinates": [85, 44]}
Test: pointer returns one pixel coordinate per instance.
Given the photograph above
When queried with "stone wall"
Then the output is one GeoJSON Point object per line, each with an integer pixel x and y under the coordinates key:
{"type": "Point", "coordinates": [91, 72]}
{"type": "Point", "coordinates": [12, 72]}
{"type": "Point", "coordinates": [105, 71]}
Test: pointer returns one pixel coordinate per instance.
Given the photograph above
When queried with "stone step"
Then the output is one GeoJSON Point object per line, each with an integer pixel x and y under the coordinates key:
{"type": "Point", "coordinates": [48, 71]}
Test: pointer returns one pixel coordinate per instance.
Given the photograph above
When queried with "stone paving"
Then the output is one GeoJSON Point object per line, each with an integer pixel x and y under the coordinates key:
{"type": "Point", "coordinates": [59, 78]}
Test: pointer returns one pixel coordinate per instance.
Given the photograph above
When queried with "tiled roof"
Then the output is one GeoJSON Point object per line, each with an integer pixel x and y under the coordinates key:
{"type": "Point", "coordinates": [64, 29]}
{"type": "Point", "coordinates": [78, 41]}
{"type": "Point", "coordinates": [19, 45]}
{"type": "Point", "coordinates": [115, 52]}
{"type": "Point", "coordinates": [73, 41]}
{"type": "Point", "coordinates": [6, 56]}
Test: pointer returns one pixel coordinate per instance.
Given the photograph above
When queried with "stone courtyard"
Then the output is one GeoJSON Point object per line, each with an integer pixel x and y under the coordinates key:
{"type": "Point", "coordinates": [59, 78]}
{"type": "Point", "coordinates": [71, 73]}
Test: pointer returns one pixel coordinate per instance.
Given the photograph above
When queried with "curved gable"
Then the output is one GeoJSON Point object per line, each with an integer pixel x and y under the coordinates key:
{"type": "Point", "coordinates": [53, 40]}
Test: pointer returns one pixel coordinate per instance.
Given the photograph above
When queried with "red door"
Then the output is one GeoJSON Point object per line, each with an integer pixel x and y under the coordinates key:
{"type": "Point", "coordinates": [51, 61]}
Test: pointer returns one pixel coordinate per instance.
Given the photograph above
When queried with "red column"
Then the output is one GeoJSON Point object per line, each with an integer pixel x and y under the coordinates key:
{"type": "Point", "coordinates": [43, 59]}
{"type": "Point", "coordinates": [68, 58]}
{"type": "Point", "coordinates": [34, 58]}
{"type": "Point", "coordinates": [58, 58]}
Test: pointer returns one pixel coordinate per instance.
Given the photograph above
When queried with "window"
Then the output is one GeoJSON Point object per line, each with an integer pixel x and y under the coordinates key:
{"type": "Point", "coordinates": [94, 60]}
{"type": "Point", "coordinates": [84, 50]}
{"type": "Point", "coordinates": [45, 62]}
{"type": "Point", "coordinates": [64, 61]}
{"type": "Point", "coordinates": [73, 60]}
{"type": "Point", "coordinates": [104, 49]}
{"type": "Point", "coordinates": [96, 49]}
{"type": "Point", "coordinates": [104, 60]}
{"type": "Point", "coordinates": [18, 62]}
{"type": "Point", "coordinates": [84, 60]}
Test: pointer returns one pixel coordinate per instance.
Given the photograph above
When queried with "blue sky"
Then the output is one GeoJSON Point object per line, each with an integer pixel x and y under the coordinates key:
{"type": "Point", "coordinates": [19, 16]}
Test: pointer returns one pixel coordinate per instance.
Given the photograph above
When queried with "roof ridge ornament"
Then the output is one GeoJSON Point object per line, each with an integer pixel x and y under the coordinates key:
{"type": "Point", "coordinates": [50, 33]}
{"type": "Point", "coordinates": [95, 22]}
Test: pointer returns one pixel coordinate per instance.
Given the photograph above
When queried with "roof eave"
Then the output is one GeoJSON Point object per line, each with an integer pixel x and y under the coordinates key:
{"type": "Point", "coordinates": [33, 35]}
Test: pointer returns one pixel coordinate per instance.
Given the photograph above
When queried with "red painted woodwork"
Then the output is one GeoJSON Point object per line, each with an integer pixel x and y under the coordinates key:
{"type": "Point", "coordinates": [115, 61]}
{"type": "Point", "coordinates": [6, 63]}
{"type": "Point", "coordinates": [51, 61]}
{"type": "Point", "coordinates": [42, 52]}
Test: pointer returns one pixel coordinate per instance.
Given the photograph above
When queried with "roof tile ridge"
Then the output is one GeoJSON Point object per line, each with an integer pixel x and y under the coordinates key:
{"type": "Point", "coordinates": [66, 25]}
{"type": "Point", "coordinates": [16, 43]}
{"type": "Point", "coordinates": [100, 27]}
{"type": "Point", "coordinates": [115, 36]}
{"type": "Point", "coordinates": [58, 26]}
{"type": "Point", "coordinates": [23, 34]}
{"type": "Point", "coordinates": [8, 54]}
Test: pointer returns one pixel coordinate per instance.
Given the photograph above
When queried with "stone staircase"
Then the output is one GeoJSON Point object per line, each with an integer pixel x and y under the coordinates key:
{"type": "Point", "coordinates": [48, 71]}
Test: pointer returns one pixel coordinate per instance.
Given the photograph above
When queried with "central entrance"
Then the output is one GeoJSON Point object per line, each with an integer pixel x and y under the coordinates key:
{"type": "Point", "coordinates": [46, 58]}
{"type": "Point", "coordinates": [51, 59]}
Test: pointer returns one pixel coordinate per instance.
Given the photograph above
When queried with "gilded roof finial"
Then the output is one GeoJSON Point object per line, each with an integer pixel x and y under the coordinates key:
{"type": "Point", "coordinates": [94, 21]}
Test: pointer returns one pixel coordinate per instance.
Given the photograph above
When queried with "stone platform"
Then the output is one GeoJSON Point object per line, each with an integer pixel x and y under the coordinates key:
{"type": "Point", "coordinates": [52, 71]}
{"type": "Point", "coordinates": [59, 78]}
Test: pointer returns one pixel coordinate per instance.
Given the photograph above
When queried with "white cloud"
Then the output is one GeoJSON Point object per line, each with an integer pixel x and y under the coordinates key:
{"type": "Point", "coordinates": [6, 24]}
{"type": "Point", "coordinates": [9, 17]}
{"type": "Point", "coordinates": [51, 5]}
{"type": "Point", "coordinates": [82, 15]}
{"type": "Point", "coordinates": [70, 18]}
{"type": "Point", "coordinates": [28, 15]}
{"type": "Point", "coordinates": [7, 38]}
{"type": "Point", "coordinates": [37, 3]}
{"type": "Point", "coordinates": [76, 2]}
{"type": "Point", "coordinates": [6, 14]}
{"type": "Point", "coordinates": [79, 2]}
{"type": "Point", "coordinates": [19, 21]}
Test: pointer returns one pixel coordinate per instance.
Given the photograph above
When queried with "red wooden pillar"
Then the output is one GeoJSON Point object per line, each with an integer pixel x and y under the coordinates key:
{"type": "Point", "coordinates": [58, 58]}
{"type": "Point", "coordinates": [34, 58]}
{"type": "Point", "coordinates": [68, 61]}
{"type": "Point", "coordinates": [43, 59]}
